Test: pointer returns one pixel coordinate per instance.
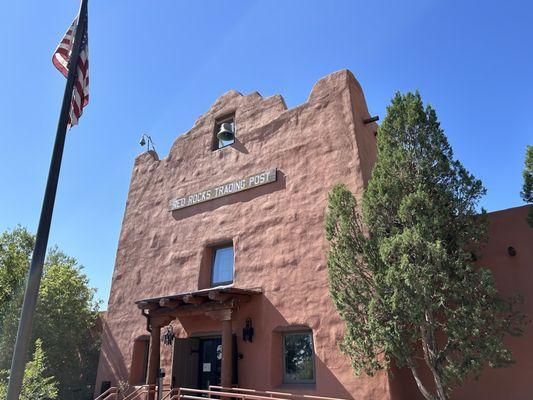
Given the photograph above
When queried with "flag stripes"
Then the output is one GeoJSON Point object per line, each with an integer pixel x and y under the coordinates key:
{"type": "Point", "coordinates": [61, 60]}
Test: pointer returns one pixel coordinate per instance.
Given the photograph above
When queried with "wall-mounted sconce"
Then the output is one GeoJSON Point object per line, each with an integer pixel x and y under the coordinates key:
{"type": "Point", "coordinates": [169, 336]}
{"type": "Point", "coordinates": [511, 251]}
{"type": "Point", "coordinates": [371, 119]}
{"type": "Point", "coordinates": [145, 139]}
{"type": "Point", "coordinates": [248, 330]}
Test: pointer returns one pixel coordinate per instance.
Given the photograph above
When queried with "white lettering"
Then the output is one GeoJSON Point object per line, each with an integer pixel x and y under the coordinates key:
{"type": "Point", "coordinates": [225, 189]}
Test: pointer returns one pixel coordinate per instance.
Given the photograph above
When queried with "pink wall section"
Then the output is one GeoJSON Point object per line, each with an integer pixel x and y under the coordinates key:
{"type": "Point", "coordinates": [278, 236]}
{"type": "Point", "coordinates": [513, 275]}
{"type": "Point", "coordinates": [277, 231]}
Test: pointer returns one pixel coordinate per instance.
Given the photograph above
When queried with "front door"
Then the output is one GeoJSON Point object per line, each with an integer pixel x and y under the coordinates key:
{"type": "Point", "coordinates": [210, 362]}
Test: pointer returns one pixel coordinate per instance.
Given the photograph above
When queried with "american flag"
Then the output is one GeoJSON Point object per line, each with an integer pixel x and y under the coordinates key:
{"type": "Point", "coordinates": [62, 61]}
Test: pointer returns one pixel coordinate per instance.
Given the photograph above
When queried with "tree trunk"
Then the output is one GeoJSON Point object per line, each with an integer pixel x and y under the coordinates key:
{"type": "Point", "coordinates": [429, 345]}
{"type": "Point", "coordinates": [427, 395]}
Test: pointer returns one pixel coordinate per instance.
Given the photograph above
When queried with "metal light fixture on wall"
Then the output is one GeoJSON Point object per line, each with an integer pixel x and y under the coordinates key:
{"type": "Point", "coordinates": [145, 139]}
{"type": "Point", "coordinates": [248, 330]}
{"type": "Point", "coordinates": [169, 336]}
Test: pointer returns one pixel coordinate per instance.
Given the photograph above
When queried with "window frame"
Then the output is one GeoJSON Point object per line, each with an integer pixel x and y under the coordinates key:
{"type": "Point", "coordinates": [215, 145]}
{"type": "Point", "coordinates": [214, 250]}
{"type": "Point", "coordinates": [284, 366]}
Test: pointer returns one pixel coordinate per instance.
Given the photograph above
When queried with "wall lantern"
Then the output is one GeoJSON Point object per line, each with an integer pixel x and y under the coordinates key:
{"type": "Point", "coordinates": [168, 337]}
{"type": "Point", "coordinates": [370, 120]}
{"type": "Point", "coordinates": [511, 251]}
{"type": "Point", "coordinates": [145, 139]}
{"type": "Point", "coordinates": [248, 330]}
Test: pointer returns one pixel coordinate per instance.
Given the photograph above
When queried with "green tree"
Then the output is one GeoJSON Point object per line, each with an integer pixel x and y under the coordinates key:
{"type": "Point", "coordinates": [400, 269]}
{"type": "Point", "coordinates": [527, 188]}
{"type": "Point", "coordinates": [35, 385]}
{"type": "Point", "coordinates": [15, 250]}
{"type": "Point", "coordinates": [65, 318]}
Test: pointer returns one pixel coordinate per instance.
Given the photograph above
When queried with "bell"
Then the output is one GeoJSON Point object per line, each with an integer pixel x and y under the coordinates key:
{"type": "Point", "coordinates": [226, 133]}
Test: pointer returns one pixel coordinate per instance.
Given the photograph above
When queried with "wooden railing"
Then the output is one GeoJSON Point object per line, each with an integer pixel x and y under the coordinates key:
{"type": "Point", "coordinates": [214, 392]}
{"type": "Point", "coordinates": [138, 393]}
{"type": "Point", "coordinates": [109, 394]}
{"type": "Point", "coordinates": [143, 390]}
{"type": "Point", "coordinates": [271, 394]}
{"type": "Point", "coordinates": [172, 393]}
{"type": "Point", "coordinates": [219, 392]}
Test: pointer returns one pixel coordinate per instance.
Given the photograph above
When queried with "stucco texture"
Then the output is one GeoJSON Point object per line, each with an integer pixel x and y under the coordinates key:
{"type": "Point", "coordinates": [279, 243]}
{"type": "Point", "coordinates": [276, 229]}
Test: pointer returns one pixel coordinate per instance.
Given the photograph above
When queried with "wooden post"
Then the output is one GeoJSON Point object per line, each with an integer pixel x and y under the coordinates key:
{"type": "Point", "coordinates": [227, 342]}
{"type": "Point", "coordinates": [226, 373]}
{"type": "Point", "coordinates": [153, 360]}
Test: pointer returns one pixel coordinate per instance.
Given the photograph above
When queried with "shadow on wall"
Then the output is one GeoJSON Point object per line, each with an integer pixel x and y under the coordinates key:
{"type": "Point", "coordinates": [327, 384]}
{"type": "Point", "coordinates": [239, 197]}
{"type": "Point", "coordinates": [111, 359]}
{"type": "Point", "coordinates": [239, 146]}
{"type": "Point", "coordinates": [261, 364]}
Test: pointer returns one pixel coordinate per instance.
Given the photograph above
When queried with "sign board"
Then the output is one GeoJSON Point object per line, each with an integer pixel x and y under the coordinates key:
{"type": "Point", "coordinates": [238, 185]}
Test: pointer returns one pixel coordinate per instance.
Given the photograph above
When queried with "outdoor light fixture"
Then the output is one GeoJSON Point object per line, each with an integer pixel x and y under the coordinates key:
{"type": "Point", "coordinates": [226, 132]}
{"type": "Point", "coordinates": [511, 251]}
{"type": "Point", "coordinates": [248, 331]}
{"type": "Point", "coordinates": [168, 337]}
{"type": "Point", "coordinates": [145, 139]}
{"type": "Point", "coordinates": [371, 119]}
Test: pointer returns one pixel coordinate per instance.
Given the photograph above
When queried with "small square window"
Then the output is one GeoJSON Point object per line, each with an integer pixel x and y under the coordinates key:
{"type": "Point", "coordinates": [298, 358]}
{"type": "Point", "coordinates": [229, 120]}
{"type": "Point", "coordinates": [222, 269]}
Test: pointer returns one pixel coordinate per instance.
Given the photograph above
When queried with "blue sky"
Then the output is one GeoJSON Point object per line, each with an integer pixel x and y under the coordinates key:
{"type": "Point", "coordinates": [155, 66]}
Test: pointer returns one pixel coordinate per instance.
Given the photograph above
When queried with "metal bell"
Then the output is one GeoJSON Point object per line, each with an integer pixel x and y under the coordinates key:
{"type": "Point", "coordinates": [226, 133]}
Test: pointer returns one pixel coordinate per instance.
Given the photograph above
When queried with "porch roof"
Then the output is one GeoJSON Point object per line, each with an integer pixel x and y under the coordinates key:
{"type": "Point", "coordinates": [218, 294]}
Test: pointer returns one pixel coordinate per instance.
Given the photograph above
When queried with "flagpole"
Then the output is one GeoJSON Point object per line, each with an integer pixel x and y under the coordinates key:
{"type": "Point", "coordinates": [41, 241]}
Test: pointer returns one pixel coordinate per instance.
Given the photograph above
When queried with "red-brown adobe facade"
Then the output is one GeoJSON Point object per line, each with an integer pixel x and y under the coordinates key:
{"type": "Point", "coordinates": [277, 234]}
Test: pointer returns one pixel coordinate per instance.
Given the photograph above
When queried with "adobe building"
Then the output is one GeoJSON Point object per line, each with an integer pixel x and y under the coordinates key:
{"type": "Point", "coordinates": [223, 249]}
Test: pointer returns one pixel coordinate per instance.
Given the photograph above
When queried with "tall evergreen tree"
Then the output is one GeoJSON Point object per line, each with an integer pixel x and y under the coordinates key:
{"type": "Point", "coordinates": [527, 188]}
{"type": "Point", "coordinates": [401, 272]}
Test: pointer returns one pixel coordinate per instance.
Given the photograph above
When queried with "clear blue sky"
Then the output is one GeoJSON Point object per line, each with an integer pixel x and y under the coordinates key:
{"type": "Point", "coordinates": [155, 66]}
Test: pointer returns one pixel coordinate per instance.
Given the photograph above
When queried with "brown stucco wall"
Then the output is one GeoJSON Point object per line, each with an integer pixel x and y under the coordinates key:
{"type": "Point", "coordinates": [513, 276]}
{"type": "Point", "coordinates": [277, 231]}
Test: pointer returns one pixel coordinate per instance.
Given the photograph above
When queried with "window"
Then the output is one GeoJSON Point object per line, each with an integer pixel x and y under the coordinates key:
{"type": "Point", "coordinates": [298, 358]}
{"type": "Point", "coordinates": [228, 119]}
{"type": "Point", "coordinates": [222, 269]}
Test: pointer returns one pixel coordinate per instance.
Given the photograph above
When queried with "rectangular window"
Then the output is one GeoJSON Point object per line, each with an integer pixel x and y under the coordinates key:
{"type": "Point", "coordinates": [298, 358]}
{"type": "Point", "coordinates": [222, 269]}
{"type": "Point", "coordinates": [226, 125]}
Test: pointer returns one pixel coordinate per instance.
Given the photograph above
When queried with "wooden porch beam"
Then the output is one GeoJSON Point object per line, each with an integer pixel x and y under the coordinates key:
{"type": "Point", "coordinates": [218, 296]}
{"type": "Point", "coordinates": [201, 309]}
{"type": "Point", "coordinates": [192, 299]}
{"type": "Point", "coordinates": [166, 302]}
{"type": "Point", "coordinates": [146, 305]}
